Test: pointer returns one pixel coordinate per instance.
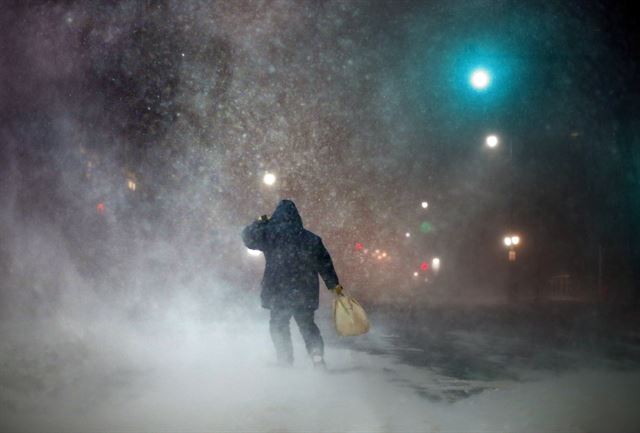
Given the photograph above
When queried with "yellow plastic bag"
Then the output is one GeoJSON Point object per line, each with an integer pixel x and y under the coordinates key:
{"type": "Point", "coordinates": [349, 316]}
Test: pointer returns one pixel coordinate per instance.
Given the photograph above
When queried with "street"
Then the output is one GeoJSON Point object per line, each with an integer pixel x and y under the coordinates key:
{"type": "Point", "coordinates": [445, 369]}
{"type": "Point", "coordinates": [488, 343]}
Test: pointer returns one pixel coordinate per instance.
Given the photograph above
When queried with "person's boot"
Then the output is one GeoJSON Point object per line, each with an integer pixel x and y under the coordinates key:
{"type": "Point", "coordinates": [318, 361]}
{"type": "Point", "coordinates": [285, 360]}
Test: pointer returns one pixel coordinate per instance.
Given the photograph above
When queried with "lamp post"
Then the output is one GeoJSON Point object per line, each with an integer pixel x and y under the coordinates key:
{"type": "Point", "coordinates": [435, 264]}
{"type": "Point", "coordinates": [512, 241]}
{"type": "Point", "coordinates": [267, 188]}
{"type": "Point", "coordinates": [492, 141]}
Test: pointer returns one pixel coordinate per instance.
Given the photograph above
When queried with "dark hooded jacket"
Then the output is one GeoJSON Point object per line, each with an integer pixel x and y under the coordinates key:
{"type": "Point", "coordinates": [294, 258]}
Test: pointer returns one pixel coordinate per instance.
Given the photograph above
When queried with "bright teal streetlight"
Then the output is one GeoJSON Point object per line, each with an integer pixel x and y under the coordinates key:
{"type": "Point", "coordinates": [480, 79]}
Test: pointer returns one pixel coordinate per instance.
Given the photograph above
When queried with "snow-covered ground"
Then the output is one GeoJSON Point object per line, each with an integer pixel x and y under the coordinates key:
{"type": "Point", "coordinates": [98, 373]}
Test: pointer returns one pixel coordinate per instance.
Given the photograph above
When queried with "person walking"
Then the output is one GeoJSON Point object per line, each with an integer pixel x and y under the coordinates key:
{"type": "Point", "coordinates": [294, 258]}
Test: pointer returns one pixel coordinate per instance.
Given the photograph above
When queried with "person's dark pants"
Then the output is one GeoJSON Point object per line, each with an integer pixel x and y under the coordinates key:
{"type": "Point", "coordinates": [281, 334]}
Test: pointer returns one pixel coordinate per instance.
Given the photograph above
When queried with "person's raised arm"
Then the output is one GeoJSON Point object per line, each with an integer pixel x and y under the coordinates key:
{"type": "Point", "coordinates": [253, 234]}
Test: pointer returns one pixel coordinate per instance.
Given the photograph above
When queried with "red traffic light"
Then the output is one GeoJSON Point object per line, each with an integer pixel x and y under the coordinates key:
{"type": "Point", "coordinates": [359, 246]}
{"type": "Point", "coordinates": [424, 266]}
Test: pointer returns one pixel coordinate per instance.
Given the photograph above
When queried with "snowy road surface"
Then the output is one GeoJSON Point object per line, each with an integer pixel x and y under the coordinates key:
{"type": "Point", "coordinates": [438, 375]}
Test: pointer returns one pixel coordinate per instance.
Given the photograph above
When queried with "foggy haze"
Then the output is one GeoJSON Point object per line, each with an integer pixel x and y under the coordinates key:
{"type": "Point", "coordinates": [135, 136]}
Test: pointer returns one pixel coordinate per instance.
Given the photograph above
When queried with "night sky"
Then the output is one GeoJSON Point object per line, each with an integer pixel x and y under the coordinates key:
{"type": "Point", "coordinates": [362, 109]}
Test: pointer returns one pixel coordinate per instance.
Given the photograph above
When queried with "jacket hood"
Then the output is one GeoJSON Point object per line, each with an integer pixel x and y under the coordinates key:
{"type": "Point", "coordinates": [286, 213]}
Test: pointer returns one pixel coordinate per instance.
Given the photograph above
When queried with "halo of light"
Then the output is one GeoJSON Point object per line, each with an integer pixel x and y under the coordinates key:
{"type": "Point", "coordinates": [507, 241]}
{"type": "Point", "coordinates": [515, 240]}
{"type": "Point", "coordinates": [424, 205]}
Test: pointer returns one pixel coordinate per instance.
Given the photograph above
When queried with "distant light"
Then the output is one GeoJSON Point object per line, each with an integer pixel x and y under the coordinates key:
{"type": "Point", "coordinates": [359, 246]}
{"type": "Point", "coordinates": [426, 227]}
{"type": "Point", "coordinates": [384, 254]}
{"type": "Point", "coordinates": [435, 263]}
{"type": "Point", "coordinates": [100, 208]}
{"type": "Point", "coordinates": [415, 274]}
{"type": "Point", "coordinates": [424, 266]}
{"type": "Point", "coordinates": [269, 178]}
{"type": "Point", "coordinates": [377, 251]}
{"type": "Point", "coordinates": [515, 240]}
{"type": "Point", "coordinates": [480, 79]}
{"type": "Point", "coordinates": [507, 241]}
{"type": "Point", "coordinates": [407, 235]}
{"type": "Point", "coordinates": [492, 141]}
{"type": "Point", "coordinates": [424, 205]}
{"type": "Point", "coordinates": [254, 253]}
{"type": "Point", "coordinates": [131, 185]}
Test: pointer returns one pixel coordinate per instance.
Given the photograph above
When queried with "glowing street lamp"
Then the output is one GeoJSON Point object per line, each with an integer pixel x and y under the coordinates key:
{"type": "Point", "coordinates": [424, 205]}
{"type": "Point", "coordinates": [511, 241]}
{"type": "Point", "coordinates": [492, 141]}
{"type": "Point", "coordinates": [254, 253]}
{"type": "Point", "coordinates": [480, 79]}
{"type": "Point", "coordinates": [269, 179]}
{"type": "Point", "coordinates": [407, 235]}
{"type": "Point", "coordinates": [435, 264]}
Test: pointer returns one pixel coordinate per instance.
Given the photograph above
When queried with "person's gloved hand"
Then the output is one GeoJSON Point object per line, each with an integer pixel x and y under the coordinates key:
{"type": "Point", "coordinates": [338, 290]}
